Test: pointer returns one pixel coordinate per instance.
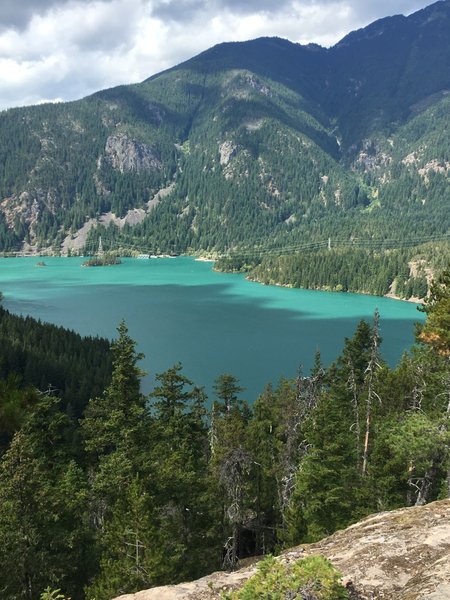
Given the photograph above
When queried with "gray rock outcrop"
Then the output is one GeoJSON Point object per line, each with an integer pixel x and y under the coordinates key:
{"type": "Point", "coordinates": [398, 555]}
{"type": "Point", "coordinates": [126, 155]}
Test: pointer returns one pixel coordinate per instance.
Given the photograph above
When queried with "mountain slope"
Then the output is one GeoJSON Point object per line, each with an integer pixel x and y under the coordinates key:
{"type": "Point", "coordinates": [382, 71]}
{"type": "Point", "coordinates": [262, 142]}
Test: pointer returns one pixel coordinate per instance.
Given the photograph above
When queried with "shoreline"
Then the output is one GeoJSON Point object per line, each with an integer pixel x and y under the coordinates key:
{"type": "Point", "coordinates": [390, 295]}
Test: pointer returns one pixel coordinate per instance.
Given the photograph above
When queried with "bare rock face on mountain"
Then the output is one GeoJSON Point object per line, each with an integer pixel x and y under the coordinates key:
{"type": "Point", "coordinates": [127, 155]}
{"type": "Point", "coordinates": [398, 555]}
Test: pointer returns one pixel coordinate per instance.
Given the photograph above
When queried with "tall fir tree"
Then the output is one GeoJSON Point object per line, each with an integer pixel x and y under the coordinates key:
{"type": "Point", "coordinates": [186, 531]}
{"type": "Point", "coordinates": [117, 436]}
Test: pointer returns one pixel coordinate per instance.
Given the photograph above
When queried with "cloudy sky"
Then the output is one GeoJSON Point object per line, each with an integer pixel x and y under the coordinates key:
{"type": "Point", "coordinates": [53, 50]}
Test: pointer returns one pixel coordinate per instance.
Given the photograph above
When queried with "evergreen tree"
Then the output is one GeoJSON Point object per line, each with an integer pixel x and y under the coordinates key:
{"type": "Point", "coordinates": [263, 443]}
{"type": "Point", "coordinates": [44, 534]}
{"type": "Point", "coordinates": [15, 404]}
{"type": "Point", "coordinates": [227, 390]}
{"type": "Point", "coordinates": [328, 481]}
{"type": "Point", "coordinates": [116, 430]}
{"type": "Point", "coordinates": [435, 333]}
{"type": "Point", "coordinates": [436, 330]}
{"type": "Point", "coordinates": [186, 530]}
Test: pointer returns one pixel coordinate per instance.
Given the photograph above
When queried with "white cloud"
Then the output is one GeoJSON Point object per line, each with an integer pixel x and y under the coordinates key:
{"type": "Point", "coordinates": [68, 49]}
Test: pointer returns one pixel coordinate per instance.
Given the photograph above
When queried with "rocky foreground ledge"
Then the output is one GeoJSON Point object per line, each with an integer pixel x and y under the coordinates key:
{"type": "Point", "coordinates": [398, 555]}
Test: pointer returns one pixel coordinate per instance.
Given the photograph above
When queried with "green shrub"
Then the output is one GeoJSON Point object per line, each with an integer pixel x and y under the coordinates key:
{"type": "Point", "coordinates": [49, 594]}
{"type": "Point", "coordinates": [313, 578]}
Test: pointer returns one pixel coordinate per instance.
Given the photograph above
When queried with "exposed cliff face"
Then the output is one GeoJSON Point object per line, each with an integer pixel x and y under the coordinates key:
{"type": "Point", "coordinates": [127, 155]}
{"type": "Point", "coordinates": [28, 207]}
{"type": "Point", "coordinates": [398, 555]}
{"type": "Point", "coordinates": [401, 555]}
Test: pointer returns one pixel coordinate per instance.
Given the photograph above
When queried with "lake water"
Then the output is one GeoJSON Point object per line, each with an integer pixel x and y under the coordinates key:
{"type": "Point", "coordinates": [180, 310]}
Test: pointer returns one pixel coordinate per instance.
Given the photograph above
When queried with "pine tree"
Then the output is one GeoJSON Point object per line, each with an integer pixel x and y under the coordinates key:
{"type": "Point", "coordinates": [181, 487]}
{"type": "Point", "coordinates": [327, 482]}
{"type": "Point", "coordinates": [117, 431]}
{"type": "Point", "coordinates": [15, 404]}
{"type": "Point", "coordinates": [263, 444]}
{"type": "Point", "coordinates": [131, 558]}
{"type": "Point", "coordinates": [44, 534]}
{"type": "Point", "coordinates": [436, 330]}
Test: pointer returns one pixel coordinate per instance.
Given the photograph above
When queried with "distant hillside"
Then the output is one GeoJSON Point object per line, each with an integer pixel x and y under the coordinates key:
{"type": "Point", "coordinates": [262, 142]}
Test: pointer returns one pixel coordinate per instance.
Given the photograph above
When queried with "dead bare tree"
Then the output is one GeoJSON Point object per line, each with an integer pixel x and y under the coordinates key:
{"type": "Point", "coordinates": [418, 390]}
{"type": "Point", "coordinates": [233, 472]}
{"type": "Point", "coordinates": [308, 390]}
{"type": "Point", "coordinates": [417, 394]}
{"type": "Point", "coordinates": [370, 379]}
{"type": "Point", "coordinates": [351, 385]}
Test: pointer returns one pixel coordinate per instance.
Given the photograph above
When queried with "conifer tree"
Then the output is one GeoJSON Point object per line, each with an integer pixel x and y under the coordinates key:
{"type": "Point", "coordinates": [181, 487]}
{"type": "Point", "coordinates": [435, 333]}
{"type": "Point", "coordinates": [327, 482]}
{"type": "Point", "coordinates": [263, 443]}
{"type": "Point", "coordinates": [44, 534]}
{"type": "Point", "coordinates": [116, 431]}
{"type": "Point", "coordinates": [436, 330]}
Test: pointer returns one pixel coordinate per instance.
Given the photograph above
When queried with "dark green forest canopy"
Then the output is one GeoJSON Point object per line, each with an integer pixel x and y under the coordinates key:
{"type": "Point", "coordinates": [404, 273]}
{"type": "Point", "coordinates": [53, 359]}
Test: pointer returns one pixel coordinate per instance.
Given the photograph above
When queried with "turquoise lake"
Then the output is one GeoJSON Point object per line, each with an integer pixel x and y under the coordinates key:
{"type": "Point", "coordinates": [180, 310]}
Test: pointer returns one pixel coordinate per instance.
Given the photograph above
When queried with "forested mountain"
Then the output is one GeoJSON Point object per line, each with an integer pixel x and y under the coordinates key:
{"type": "Point", "coordinates": [264, 143]}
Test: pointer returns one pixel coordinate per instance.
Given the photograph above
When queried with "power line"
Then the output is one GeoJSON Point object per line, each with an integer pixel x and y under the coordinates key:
{"type": "Point", "coordinates": [262, 251]}
{"type": "Point", "coordinates": [330, 243]}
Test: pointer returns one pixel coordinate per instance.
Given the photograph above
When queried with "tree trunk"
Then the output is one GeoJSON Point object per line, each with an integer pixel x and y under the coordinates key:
{"type": "Point", "coordinates": [371, 394]}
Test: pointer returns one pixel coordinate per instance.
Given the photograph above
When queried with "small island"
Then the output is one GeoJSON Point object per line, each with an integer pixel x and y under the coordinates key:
{"type": "Point", "coordinates": [102, 261]}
